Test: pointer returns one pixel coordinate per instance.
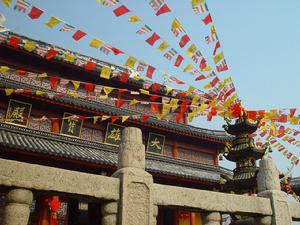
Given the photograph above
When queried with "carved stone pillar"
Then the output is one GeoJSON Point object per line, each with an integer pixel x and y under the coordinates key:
{"type": "Point", "coordinates": [212, 218]}
{"type": "Point", "coordinates": [109, 213]}
{"type": "Point", "coordinates": [17, 210]}
{"type": "Point", "coordinates": [135, 205]}
{"type": "Point", "coordinates": [155, 213]}
{"type": "Point", "coordinates": [269, 187]}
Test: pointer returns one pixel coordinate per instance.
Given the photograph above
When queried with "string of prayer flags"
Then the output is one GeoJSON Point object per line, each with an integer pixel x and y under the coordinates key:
{"type": "Point", "coordinates": [35, 13]}
{"type": "Point", "coordinates": [78, 35]}
{"type": "Point", "coordinates": [21, 6]}
{"type": "Point", "coordinates": [121, 10]}
{"type": "Point", "coordinates": [53, 22]}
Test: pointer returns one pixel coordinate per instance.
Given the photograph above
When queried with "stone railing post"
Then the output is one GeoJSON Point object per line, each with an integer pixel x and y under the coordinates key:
{"type": "Point", "coordinates": [135, 204]}
{"type": "Point", "coordinates": [269, 187]}
{"type": "Point", "coordinates": [17, 210]}
{"type": "Point", "coordinates": [212, 218]}
{"type": "Point", "coordinates": [109, 212]}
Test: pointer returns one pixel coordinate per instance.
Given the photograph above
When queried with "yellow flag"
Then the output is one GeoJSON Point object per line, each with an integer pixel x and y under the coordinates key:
{"type": "Point", "coordinates": [176, 25]}
{"type": "Point", "coordinates": [7, 3]}
{"type": "Point", "coordinates": [191, 89]}
{"type": "Point", "coordinates": [43, 75]}
{"type": "Point", "coordinates": [133, 102]}
{"type": "Point", "coordinates": [53, 22]}
{"type": "Point", "coordinates": [191, 116]}
{"type": "Point", "coordinates": [69, 58]}
{"type": "Point", "coordinates": [130, 62]}
{"type": "Point", "coordinates": [174, 103]}
{"type": "Point", "coordinates": [39, 92]}
{"type": "Point", "coordinates": [105, 72]}
{"type": "Point", "coordinates": [230, 100]}
{"type": "Point", "coordinates": [145, 92]}
{"type": "Point", "coordinates": [137, 77]}
{"type": "Point", "coordinates": [76, 84]}
{"type": "Point", "coordinates": [95, 119]}
{"type": "Point", "coordinates": [124, 118]}
{"type": "Point", "coordinates": [213, 30]}
{"type": "Point", "coordinates": [169, 89]}
{"type": "Point", "coordinates": [218, 57]}
{"type": "Point", "coordinates": [190, 51]}
{"type": "Point", "coordinates": [206, 69]}
{"type": "Point", "coordinates": [4, 69]}
{"type": "Point", "coordinates": [202, 107]}
{"type": "Point", "coordinates": [159, 116]}
{"type": "Point", "coordinates": [30, 46]}
{"type": "Point", "coordinates": [188, 67]}
{"type": "Point", "coordinates": [95, 43]}
{"type": "Point", "coordinates": [107, 90]}
{"type": "Point", "coordinates": [134, 19]}
{"type": "Point", "coordinates": [164, 45]}
{"type": "Point", "coordinates": [73, 94]}
{"type": "Point", "coordinates": [103, 97]}
{"type": "Point", "coordinates": [166, 109]}
{"type": "Point", "coordinates": [195, 99]}
{"type": "Point", "coordinates": [207, 86]}
{"type": "Point", "coordinates": [197, 2]}
{"type": "Point", "coordinates": [8, 91]}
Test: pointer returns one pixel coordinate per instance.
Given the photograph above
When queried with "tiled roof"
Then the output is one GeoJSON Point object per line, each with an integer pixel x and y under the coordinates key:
{"type": "Point", "coordinates": [219, 136]}
{"type": "Point", "coordinates": [40, 142]}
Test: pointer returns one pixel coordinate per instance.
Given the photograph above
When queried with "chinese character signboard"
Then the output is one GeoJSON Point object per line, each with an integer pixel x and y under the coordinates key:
{"type": "Point", "coordinates": [155, 143]}
{"type": "Point", "coordinates": [18, 113]}
{"type": "Point", "coordinates": [113, 134]}
{"type": "Point", "coordinates": [71, 125]}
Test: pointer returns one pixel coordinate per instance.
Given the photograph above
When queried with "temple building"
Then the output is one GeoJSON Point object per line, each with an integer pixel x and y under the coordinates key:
{"type": "Point", "coordinates": [59, 109]}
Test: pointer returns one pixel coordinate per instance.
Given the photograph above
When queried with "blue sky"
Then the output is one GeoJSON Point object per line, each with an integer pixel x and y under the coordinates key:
{"type": "Point", "coordinates": [260, 40]}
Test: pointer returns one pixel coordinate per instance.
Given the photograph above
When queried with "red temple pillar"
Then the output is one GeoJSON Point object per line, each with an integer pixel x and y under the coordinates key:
{"type": "Point", "coordinates": [175, 151]}
{"type": "Point", "coordinates": [193, 218]}
{"type": "Point", "coordinates": [44, 212]}
{"type": "Point", "coordinates": [55, 125]}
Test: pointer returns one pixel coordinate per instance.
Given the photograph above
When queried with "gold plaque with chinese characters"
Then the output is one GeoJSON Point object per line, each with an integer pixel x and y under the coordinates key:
{"type": "Point", "coordinates": [113, 134]}
{"type": "Point", "coordinates": [71, 125]}
{"type": "Point", "coordinates": [155, 143]}
{"type": "Point", "coordinates": [18, 113]}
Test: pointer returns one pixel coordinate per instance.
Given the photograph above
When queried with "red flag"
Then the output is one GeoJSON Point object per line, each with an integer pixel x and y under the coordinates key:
{"type": "Point", "coordinates": [51, 53]}
{"type": "Point", "coordinates": [116, 51]}
{"type": "Point", "coordinates": [154, 107]}
{"type": "Point", "coordinates": [184, 40]}
{"type": "Point", "coordinates": [21, 72]}
{"type": "Point", "coordinates": [14, 41]}
{"type": "Point", "coordinates": [122, 90]}
{"type": "Point", "coordinates": [114, 118]}
{"type": "Point", "coordinates": [178, 61]}
{"type": "Point", "coordinates": [179, 82]}
{"type": "Point", "coordinates": [124, 77]}
{"type": "Point", "coordinates": [201, 77]}
{"type": "Point", "coordinates": [121, 10]}
{"type": "Point", "coordinates": [78, 35]}
{"type": "Point", "coordinates": [183, 106]}
{"type": "Point", "coordinates": [214, 81]}
{"type": "Point", "coordinates": [252, 115]}
{"type": "Point", "coordinates": [82, 118]}
{"type": "Point", "coordinates": [182, 94]}
{"type": "Point", "coordinates": [216, 47]}
{"type": "Point", "coordinates": [207, 19]}
{"type": "Point", "coordinates": [222, 67]}
{"type": "Point", "coordinates": [178, 117]}
{"type": "Point", "coordinates": [89, 87]}
{"type": "Point", "coordinates": [119, 102]}
{"type": "Point", "coordinates": [150, 71]}
{"type": "Point", "coordinates": [155, 87]}
{"type": "Point", "coordinates": [282, 118]}
{"type": "Point", "coordinates": [162, 10]}
{"type": "Point", "coordinates": [292, 111]}
{"type": "Point", "coordinates": [145, 117]}
{"type": "Point", "coordinates": [154, 97]}
{"type": "Point", "coordinates": [53, 82]}
{"type": "Point", "coordinates": [203, 64]}
{"type": "Point", "coordinates": [154, 37]}
{"type": "Point", "coordinates": [27, 91]}
{"type": "Point", "coordinates": [35, 13]}
{"type": "Point", "coordinates": [90, 65]}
